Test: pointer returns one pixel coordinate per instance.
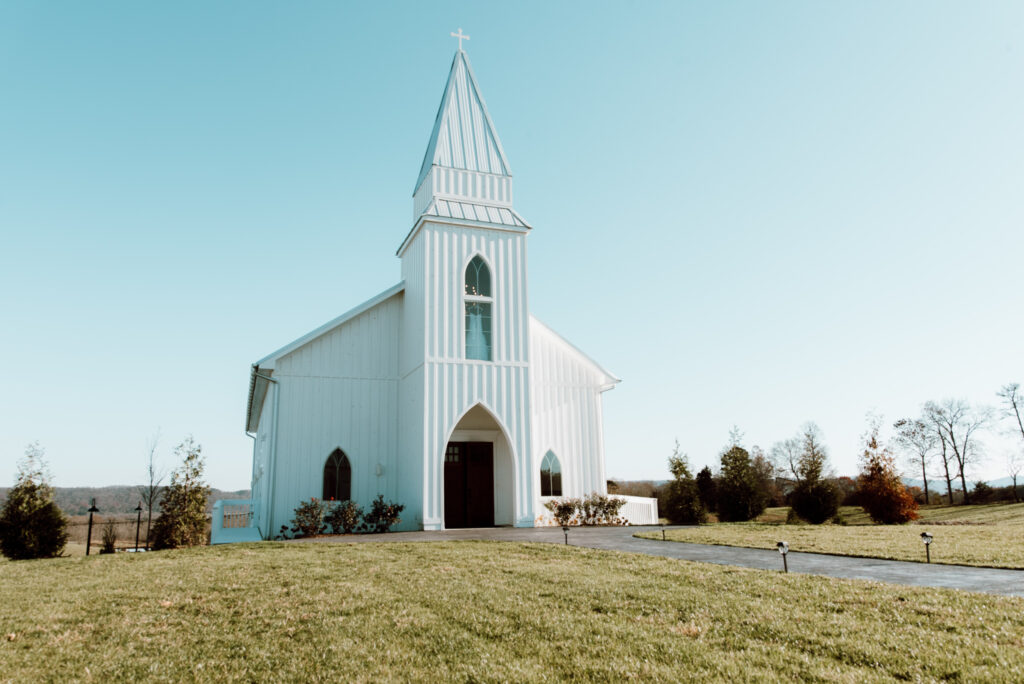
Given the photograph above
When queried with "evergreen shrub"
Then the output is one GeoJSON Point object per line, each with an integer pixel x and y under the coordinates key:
{"type": "Point", "coordinates": [31, 524]}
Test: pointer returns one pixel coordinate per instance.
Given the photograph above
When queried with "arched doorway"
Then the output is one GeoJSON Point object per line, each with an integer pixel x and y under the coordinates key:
{"type": "Point", "coordinates": [479, 479]}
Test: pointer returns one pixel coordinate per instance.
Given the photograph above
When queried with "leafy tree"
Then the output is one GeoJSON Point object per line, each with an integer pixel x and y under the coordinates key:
{"type": "Point", "coordinates": [706, 488]}
{"type": "Point", "coordinates": [765, 471]}
{"type": "Point", "coordinates": [182, 520]}
{"type": "Point", "coordinates": [880, 490]}
{"type": "Point", "coordinates": [739, 496]}
{"type": "Point", "coordinates": [31, 525]}
{"type": "Point", "coordinates": [814, 498]}
{"type": "Point", "coordinates": [682, 501]}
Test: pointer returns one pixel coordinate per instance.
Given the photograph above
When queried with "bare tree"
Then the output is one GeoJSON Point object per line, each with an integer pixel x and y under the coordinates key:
{"type": "Point", "coordinates": [958, 425]}
{"type": "Point", "coordinates": [804, 457]}
{"type": "Point", "coordinates": [150, 492]}
{"type": "Point", "coordinates": [785, 456]}
{"type": "Point", "coordinates": [1012, 407]}
{"type": "Point", "coordinates": [918, 440]}
{"type": "Point", "coordinates": [1015, 464]}
{"type": "Point", "coordinates": [1013, 404]}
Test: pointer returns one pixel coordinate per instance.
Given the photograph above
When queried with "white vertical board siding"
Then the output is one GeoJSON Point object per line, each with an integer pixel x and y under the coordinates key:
{"type": "Point", "coordinates": [339, 390]}
{"type": "Point", "coordinates": [567, 417]}
{"type": "Point", "coordinates": [453, 385]}
{"type": "Point", "coordinates": [261, 464]}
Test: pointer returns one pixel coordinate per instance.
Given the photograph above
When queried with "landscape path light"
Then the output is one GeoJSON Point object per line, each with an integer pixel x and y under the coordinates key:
{"type": "Point", "coordinates": [783, 548]}
{"type": "Point", "coordinates": [138, 523]}
{"type": "Point", "coordinates": [565, 531]}
{"type": "Point", "coordinates": [662, 530]}
{"type": "Point", "coordinates": [88, 536]}
{"type": "Point", "coordinates": [927, 539]}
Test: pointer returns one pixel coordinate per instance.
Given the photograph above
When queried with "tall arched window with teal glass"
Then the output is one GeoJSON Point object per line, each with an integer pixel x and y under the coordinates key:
{"type": "Point", "coordinates": [478, 300]}
{"type": "Point", "coordinates": [550, 475]}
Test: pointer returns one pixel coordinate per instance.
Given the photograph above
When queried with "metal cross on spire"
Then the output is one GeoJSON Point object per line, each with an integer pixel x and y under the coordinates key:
{"type": "Point", "coordinates": [460, 35]}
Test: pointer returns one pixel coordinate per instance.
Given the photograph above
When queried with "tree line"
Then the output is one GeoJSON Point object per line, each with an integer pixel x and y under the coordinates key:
{"type": "Point", "coordinates": [944, 442]}
{"type": "Point", "coordinates": [32, 525]}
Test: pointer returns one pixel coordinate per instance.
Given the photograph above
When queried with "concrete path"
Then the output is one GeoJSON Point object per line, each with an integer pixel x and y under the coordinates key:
{"type": "Point", "coordinates": [988, 580]}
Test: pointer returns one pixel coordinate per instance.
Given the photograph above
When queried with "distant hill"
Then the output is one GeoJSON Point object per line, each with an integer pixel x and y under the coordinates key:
{"type": "Point", "coordinates": [940, 485]}
{"type": "Point", "coordinates": [115, 500]}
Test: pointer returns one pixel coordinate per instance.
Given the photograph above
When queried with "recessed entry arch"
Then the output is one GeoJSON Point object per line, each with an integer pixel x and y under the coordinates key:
{"type": "Point", "coordinates": [478, 472]}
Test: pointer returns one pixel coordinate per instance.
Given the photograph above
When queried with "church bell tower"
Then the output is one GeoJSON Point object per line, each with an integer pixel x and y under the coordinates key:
{"type": "Point", "coordinates": [464, 356]}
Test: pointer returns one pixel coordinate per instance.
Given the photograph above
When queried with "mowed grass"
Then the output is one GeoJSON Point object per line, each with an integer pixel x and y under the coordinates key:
{"type": "Point", "coordinates": [984, 535]}
{"type": "Point", "coordinates": [482, 611]}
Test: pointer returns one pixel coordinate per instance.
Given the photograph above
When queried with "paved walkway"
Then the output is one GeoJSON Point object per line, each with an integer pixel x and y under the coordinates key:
{"type": "Point", "coordinates": [988, 580]}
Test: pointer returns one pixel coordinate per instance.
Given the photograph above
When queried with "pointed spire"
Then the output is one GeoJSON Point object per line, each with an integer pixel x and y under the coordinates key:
{"type": "Point", "coordinates": [464, 136]}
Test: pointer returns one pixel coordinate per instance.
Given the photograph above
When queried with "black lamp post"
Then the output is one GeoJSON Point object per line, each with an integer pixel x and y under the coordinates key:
{"type": "Point", "coordinates": [783, 550]}
{"type": "Point", "coordinates": [138, 522]}
{"type": "Point", "coordinates": [88, 537]}
{"type": "Point", "coordinates": [927, 539]}
{"type": "Point", "coordinates": [565, 531]}
{"type": "Point", "coordinates": [662, 530]}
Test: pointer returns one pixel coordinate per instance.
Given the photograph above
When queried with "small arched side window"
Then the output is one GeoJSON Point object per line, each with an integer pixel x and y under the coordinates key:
{"type": "Point", "coordinates": [337, 477]}
{"type": "Point", "coordinates": [478, 310]}
{"type": "Point", "coordinates": [550, 475]}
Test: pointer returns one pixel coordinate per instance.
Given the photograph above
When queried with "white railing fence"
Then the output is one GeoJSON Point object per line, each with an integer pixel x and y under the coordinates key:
{"type": "Point", "coordinates": [639, 510]}
{"type": "Point", "coordinates": [233, 520]}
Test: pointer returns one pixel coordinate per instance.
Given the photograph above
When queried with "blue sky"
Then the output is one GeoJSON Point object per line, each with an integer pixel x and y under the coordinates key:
{"type": "Point", "coordinates": [754, 213]}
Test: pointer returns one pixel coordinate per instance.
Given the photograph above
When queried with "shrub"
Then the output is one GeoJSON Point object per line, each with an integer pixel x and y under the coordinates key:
{"type": "Point", "coordinates": [383, 515]}
{"type": "Point", "coordinates": [880, 491]}
{"type": "Point", "coordinates": [182, 520]}
{"type": "Point", "coordinates": [683, 505]}
{"type": "Point", "coordinates": [31, 525]}
{"type": "Point", "coordinates": [815, 501]}
{"type": "Point", "coordinates": [344, 517]}
{"type": "Point", "coordinates": [739, 495]}
{"type": "Point", "coordinates": [109, 538]}
{"type": "Point", "coordinates": [309, 519]}
{"type": "Point", "coordinates": [598, 509]}
{"type": "Point", "coordinates": [563, 510]}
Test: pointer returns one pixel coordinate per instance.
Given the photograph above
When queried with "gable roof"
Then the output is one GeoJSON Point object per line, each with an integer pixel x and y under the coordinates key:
{"type": "Point", "coordinates": [464, 136]}
{"type": "Point", "coordinates": [610, 380]}
{"type": "Point", "coordinates": [268, 360]}
{"type": "Point", "coordinates": [260, 375]}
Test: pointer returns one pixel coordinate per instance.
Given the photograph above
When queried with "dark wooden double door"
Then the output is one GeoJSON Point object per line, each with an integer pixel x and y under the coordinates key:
{"type": "Point", "coordinates": [469, 484]}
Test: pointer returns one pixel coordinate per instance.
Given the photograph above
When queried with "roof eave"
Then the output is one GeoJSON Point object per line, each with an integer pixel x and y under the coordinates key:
{"type": "Point", "coordinates": [444, 220]}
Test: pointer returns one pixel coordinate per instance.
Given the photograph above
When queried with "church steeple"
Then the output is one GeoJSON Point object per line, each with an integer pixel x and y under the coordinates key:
{"type": "Point", "coordinates": [465, 174]}
{"type": "Point", "coordinates": [464, 136]}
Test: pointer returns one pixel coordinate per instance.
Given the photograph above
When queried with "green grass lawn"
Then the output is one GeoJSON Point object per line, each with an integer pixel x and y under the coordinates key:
{"type": "Point", "coordinates": [987, 535]}
{"type": "Point", "coordinates": [461, 611]}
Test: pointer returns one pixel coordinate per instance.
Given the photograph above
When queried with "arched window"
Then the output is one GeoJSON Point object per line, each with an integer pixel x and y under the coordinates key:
{"type": "Point", "coordinates": [550, 475]}
{"type": "Point", "coordinates": [337, 477]}
{"type": "Point", "coordinates": [478, 310]}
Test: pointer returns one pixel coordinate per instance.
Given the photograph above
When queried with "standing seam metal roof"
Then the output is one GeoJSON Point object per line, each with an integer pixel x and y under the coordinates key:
{"type": "Point", "coordinates": [464, 136]}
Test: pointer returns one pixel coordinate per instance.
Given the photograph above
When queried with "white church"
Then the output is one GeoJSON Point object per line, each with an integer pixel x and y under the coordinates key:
{"type": "Point", "coordinates": [441, 393]}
